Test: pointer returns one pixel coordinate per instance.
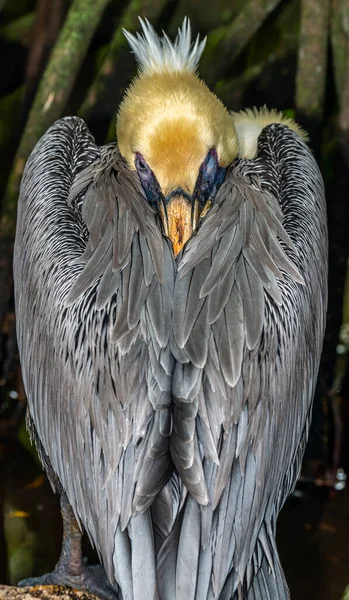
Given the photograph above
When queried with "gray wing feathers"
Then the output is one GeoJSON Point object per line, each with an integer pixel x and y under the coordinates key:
{"type": "Point", "coordinates": [219, 304]}
{"type": "Point", "coordinates": [170, 363]}
{"type": "Point", "coordinates": [73, 281]}
{"type": "Point", "coordinates": [127, 249]}
{"type": "Point", "coordinates": [246, 277]}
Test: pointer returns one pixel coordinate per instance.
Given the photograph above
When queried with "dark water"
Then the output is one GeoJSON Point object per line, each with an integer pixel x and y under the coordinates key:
{"type": "Point", "coordinates": [313, 540]}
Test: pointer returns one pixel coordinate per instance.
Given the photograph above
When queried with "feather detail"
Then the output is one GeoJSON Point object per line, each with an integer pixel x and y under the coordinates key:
{"type": "Point", "coordinates": [188, 551]}
{"type": "Point", "coordinates": [158, 55]}
{"type": "Point", "coordinates": [143, 557]}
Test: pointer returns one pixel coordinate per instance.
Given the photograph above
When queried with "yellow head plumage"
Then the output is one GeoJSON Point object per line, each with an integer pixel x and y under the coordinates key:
{"type": "Point", "coordinates": [172, 120]}
{"type": "Point", "coordinates": [169, 115]}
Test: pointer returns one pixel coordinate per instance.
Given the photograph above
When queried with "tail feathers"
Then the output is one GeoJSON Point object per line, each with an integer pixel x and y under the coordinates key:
{"type": "Point", "coordinates": [122, 563]}
{"type": "Point", "coordinates": [261, 581]}
{"type": "Point", "coordinates": [188, 551]}
{"type": "Point", "coordinates": [134, 559]}
{"type": "Point", "coordinates": [268, 585]}
{"type": "Point", "coordinates": [168, 552]}
{"type": "Point", "coordinates": [178, 557]}
{"type": "Point", "coordinates": [166, 561]}
{"type": "Point", "coordinates": [143, 557]}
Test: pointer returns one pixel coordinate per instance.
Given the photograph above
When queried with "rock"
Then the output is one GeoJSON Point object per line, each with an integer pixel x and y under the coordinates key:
{"type": "Point", "coordinates": [43, 592]}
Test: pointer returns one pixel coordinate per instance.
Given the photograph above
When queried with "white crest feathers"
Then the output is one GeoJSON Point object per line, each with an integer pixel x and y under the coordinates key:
{"type": "Point", "coordinates": [157, 54]}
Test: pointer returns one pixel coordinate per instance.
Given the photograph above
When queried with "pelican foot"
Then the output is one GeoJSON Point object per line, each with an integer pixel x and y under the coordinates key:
{"type": "Point", "coordinates": [91, 579]}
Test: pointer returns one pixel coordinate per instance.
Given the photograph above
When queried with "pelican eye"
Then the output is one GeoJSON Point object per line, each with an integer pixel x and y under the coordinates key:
{"type": "Point", "coordinates": [143, 170]}
{"type": "Point", "coordinates": [210, 165]}
{"type": "Point", "coordinates": [148, 181]}
{"type": "Point", "coordinates": [210, 178]}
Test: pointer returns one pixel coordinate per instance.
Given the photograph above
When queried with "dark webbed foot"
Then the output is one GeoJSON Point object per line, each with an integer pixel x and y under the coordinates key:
{"type": "Point", "coordinates": [70, 570]}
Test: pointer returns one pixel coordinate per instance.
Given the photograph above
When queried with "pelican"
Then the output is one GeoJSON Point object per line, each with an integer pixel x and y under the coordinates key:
{"type": "Point", "coordinates": [170, 295]}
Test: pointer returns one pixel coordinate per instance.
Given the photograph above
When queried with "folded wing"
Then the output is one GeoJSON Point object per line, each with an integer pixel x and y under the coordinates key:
{"type": "Point", "coordinates": [93, 290]}
{"type": "Point", "coordinates": [249, 304]}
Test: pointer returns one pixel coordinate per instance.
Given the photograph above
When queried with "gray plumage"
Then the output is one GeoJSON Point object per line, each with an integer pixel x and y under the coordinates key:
{"type": "Point", "coordinates": [172, 397]}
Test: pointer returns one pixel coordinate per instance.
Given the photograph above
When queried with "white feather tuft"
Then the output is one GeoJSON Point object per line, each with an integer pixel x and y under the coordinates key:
{"type": "Point", "coordinates": [157, 54]}
{"type": "Point", "coordinates": [250, 122]}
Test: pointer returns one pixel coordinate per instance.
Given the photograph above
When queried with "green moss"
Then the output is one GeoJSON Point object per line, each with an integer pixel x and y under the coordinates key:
{"type": "Point", "coordinates": [15, 9]}
{"type": "Point", "coordinates": [19, 29]}
{"type": "Point", "coordinates": [346, 594]}
{"type": "Point", "coordinates": [227, 14]}
{"type": "Point", "coordinates": [287, 22]}
{"type": "Point", "coordinates": [340, 41]}
{"type": "Point", "coordinates": [312, 59]}
{"type": "Point", "coordinates": [290, 113]}
{"type": "Point", "coordinates": [214, 38]}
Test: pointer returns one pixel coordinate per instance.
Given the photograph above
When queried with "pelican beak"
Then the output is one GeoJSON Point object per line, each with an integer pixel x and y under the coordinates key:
{"type": "Point", "coordinates": [180, 218]}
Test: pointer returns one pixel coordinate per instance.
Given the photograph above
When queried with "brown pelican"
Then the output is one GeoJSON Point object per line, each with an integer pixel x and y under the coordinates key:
{"type": "Point", "coordinates": [170, 297]}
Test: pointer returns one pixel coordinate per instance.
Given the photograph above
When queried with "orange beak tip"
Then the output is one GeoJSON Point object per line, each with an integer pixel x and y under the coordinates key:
{"type": "Point", "coordinates": [179, 222]}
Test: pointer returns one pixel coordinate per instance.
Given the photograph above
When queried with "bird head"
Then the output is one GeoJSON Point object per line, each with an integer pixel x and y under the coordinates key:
{"type": "Point", "coordinates": [174, 131]}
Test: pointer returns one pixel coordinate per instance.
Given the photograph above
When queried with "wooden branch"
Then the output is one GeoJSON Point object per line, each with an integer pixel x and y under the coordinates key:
{"type": "Point", "coordinates": [48, 19]}
{"type": "Point", "coordinates": [312, 60]}
{"type": "Point", "coordinates": [43, 592]}
{"type": "Point", "coordinates": [343, 117]}
{"type": "Point", "coordinates": [53, 93]}
{"type": "Point", "coordinates": [143, 8]}
{"type": "Point", "coordinates": [339, 41]}
{"type": "Point", "coordinates": [338, 217]}
{"type": "Point", "coordinates": [225, 43]}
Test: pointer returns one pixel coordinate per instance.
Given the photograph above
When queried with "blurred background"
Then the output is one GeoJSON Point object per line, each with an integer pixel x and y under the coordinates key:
{"type": "Point", "coordinates": [64, 57]}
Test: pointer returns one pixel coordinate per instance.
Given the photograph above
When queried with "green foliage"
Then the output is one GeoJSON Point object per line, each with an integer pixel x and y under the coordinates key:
{"type": "Point", "coordinates": [13, 10]}
{"type": "Point", "coordinates": [21, 543]}
{"type": "Point", "coordinates": [18, 30]}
